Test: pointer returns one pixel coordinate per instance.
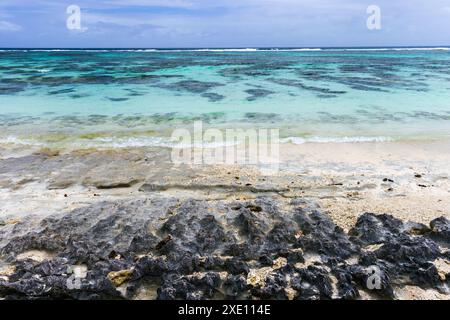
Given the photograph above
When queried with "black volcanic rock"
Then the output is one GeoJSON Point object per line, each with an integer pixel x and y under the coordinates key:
{"type": "Point", "coordinates": [440, 228]}
{"type": "Point", "coordinates": [197, 249]}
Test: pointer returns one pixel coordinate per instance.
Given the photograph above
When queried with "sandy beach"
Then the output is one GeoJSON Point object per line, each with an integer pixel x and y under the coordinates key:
{"type": "Point", "coordinates": [220, 151]}
{"type": "Point", "coordinates": [112, 184]}
{"type": "Point", "coordinates": [409, 180]}
{"type": "Point", "coordinates": [344, 181]}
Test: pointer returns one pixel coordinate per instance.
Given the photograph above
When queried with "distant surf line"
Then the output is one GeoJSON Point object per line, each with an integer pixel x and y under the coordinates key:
{"type": "Point", "coordinates": [243, 50]}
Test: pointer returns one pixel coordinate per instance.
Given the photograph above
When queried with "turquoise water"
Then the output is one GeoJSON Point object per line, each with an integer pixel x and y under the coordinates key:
{"type": "Point", "coordinates": [320, 95]}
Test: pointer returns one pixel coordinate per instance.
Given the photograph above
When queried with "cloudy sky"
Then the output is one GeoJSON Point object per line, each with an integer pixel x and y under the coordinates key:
{"type": "Point", "coordinates": [223, 23]}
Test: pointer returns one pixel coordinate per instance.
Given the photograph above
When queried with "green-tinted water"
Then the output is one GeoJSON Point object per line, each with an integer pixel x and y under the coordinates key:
{"type": "Point", "coordinates": [140, 95]}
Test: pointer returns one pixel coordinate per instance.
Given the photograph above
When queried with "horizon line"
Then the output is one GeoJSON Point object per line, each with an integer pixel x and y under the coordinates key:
{"type": "Point", "coordinates": [245, 47]}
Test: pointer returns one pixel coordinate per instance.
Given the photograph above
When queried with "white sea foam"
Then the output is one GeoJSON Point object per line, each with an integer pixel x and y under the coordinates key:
{"type": "Point", "coordinates": [138, 142]}
{"type": "Point", "coordinates": [19, 141]}
{"type": "Point", "coordinates": [238, 50]}
{"type": "Point", "coordinates": [299, 140]}
{"type": "Point", "coordinates": [256, 49]}
{"type": "Point", "coordinates": [294, 50]}
{"type": "Point", "coordinates": [126, 142]}
{"type": "Point", "coordinates": [235, 49]}
{"type": "Point", "coordinates": [226, 50]}
{"type": "Point", "coordinates": [135, 50]}
{"type": "Point", "coordinates": [204, 50]}
{"type": "Point", "coordinates": [394, 49]}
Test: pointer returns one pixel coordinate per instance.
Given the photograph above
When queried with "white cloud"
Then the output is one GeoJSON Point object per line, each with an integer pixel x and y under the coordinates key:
{"type": "Point", "coordinates": [9, 27]}
{"type": "Point", "coordinates": [146, 3]}
{"type": "Point", "coordinates": [123, 20]}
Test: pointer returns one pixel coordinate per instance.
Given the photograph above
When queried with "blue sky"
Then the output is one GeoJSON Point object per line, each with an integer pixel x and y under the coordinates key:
{"type": "Point", "coordinates": [223, 23]}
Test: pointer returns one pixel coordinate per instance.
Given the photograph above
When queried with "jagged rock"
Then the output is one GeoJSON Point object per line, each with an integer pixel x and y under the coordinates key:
{"type": "Point", "coordinates": [312, 283]}
{"type": "Point", "coordinates": [440, 228]}
{"type": "Point", "coordinates": [198, 249]}
{"type": "Point", "coordinates": [416, 229]}
{"type": "Point", "coordinates": [321, 235]}
{"type": "Point", "coordinates": [403, 256]}
{"type": "Point", "coordinates": [373, 229]}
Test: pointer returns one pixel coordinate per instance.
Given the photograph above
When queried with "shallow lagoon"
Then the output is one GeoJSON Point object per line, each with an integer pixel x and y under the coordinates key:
{"type": "Point", "coordinates": [328, 94]}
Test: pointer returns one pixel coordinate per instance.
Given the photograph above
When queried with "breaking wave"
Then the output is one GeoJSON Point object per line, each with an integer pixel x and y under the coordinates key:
{"type": "Point", "coordinates": [233, 49]}
{"type": "Point", "coordinates": [299, 140]}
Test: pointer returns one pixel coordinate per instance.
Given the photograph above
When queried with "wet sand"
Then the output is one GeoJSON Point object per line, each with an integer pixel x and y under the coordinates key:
{"type": "Point", "coordinates": [409, 180]}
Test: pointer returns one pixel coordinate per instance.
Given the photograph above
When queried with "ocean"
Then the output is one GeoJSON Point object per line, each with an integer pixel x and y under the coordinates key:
{"type": "Point", "coordinates": [135, 97]}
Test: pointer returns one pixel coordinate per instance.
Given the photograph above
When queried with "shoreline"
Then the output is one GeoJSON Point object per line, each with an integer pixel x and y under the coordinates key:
{"type": "Point", "coordinates": [112, 213]}
{"type": "Point", "coordinates": [347, 179]}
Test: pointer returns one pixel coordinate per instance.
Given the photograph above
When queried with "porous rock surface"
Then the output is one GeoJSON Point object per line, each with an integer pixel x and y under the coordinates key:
{"type": "Point", "coordinates": [166, 248]}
